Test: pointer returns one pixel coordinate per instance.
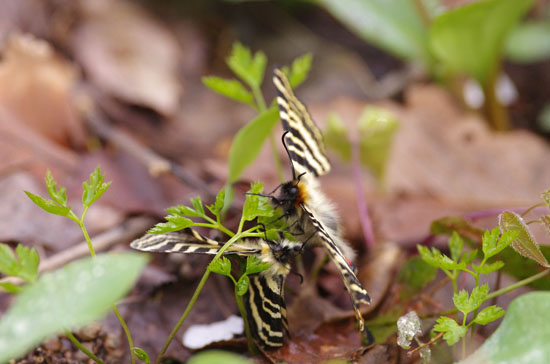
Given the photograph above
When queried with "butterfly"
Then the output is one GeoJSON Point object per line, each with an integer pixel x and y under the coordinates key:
{"type": "Point", "coordinates": [304, 205]}
{"type": "Point", "coordinates": [264, 300]}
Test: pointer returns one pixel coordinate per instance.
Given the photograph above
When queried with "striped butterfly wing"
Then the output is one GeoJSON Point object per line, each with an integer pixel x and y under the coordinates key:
{"type": "Point", "coordinates": [353, 286]}
{"type": "Point", "coordinates": [190, 242]}
{"type": "Point", "coordinates": [266, 310]}
{"type": "Point", "coordinates": [304, 140]}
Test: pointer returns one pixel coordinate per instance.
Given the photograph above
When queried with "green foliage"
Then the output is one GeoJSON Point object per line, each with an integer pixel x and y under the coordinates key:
{"type": "Point", "coordinates": [254, 205]}
{"type": "Point", "coordinates": [22, 264]}
{"type": "Point", "coordinates": [489, 314]}
{"type": "Point", "coordinates": [248, 67]}
{"type": "Point", "coordinates": [242, 285]}
{"type": "Point", "coordinates": [220, 266]}
{"type": "Point", "coordinates": [141, 355]}
{"type": "Point", "coordinates": [75, 295]}
{"type": "Point", "coordinates": [50, 206]}
{"type": "Point", "coordinates": [217, 207]}
{"type": "Point", "coordinates": [470, 39]}
{"type": "Point", "coordinates": [299, 70]}
{"type": "Point", "coordinates": [233, 89]}
{"type": "Point", "coordinates": [467, 304]}
{"type": "Point", "coordinates": [375, 131]}
{"type": "Point", "coordinates": [218, 356]}
{"type": "Point", "coordinates": [249, 141]}
{"type": "Point", "coordinates": [453, 332]}
{"type": "Point", "coordinates": [255, 265]}
{"type": "Point", "coordinates": [528, 42]}
{"type": "Point", "coordinates": [415, 275]}
{"type": "Point", "coordinates": [393, 25]}
{"type": "Point", "coordinates": [524, 242]}
{"type": "Point", "coordinates": [522, 337]}
{"type": "Point", "coordinates": [94, 188]}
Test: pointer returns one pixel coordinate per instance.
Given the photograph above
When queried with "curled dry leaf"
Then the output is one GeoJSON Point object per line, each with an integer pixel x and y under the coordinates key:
{"type": "Point", "coordinates": [128, 54]}
{"type": "Point", "coordinates": [525, 244]}
{"type": "Point", "coordinates": [35, 89]}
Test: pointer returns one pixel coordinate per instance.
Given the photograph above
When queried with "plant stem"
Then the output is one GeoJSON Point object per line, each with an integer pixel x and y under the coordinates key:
{"type": "Point", "coordinates": [495, 112]}
{"type": "Point", "coordinates": [82, 348]}
{"type": "Point", "coordinates": [251, 346]}
{"type": "Point", "coordinates": [521, 283]}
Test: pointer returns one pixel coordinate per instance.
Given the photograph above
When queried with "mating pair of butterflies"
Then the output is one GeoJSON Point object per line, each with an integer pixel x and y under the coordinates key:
{"type": "Point", "coordinates": [304, 207]}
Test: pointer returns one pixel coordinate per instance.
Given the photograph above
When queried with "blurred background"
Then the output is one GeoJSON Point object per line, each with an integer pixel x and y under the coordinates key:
{"type": "Point", "coordinates": [120, 84]}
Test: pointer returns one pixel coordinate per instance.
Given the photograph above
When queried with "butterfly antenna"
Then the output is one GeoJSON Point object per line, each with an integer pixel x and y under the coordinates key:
{"type": "Point", "coordinates": [288, 153]}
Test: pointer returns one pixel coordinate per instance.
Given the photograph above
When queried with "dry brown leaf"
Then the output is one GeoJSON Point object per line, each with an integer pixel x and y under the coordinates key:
{"type": "Point", "coordinates": [35, 88]}
{"type": "Point", "coordinates": [128, 54]}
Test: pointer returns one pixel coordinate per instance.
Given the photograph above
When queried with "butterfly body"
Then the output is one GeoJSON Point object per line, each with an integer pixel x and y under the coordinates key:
{"type": "Point", "coordinates": [264, 300]}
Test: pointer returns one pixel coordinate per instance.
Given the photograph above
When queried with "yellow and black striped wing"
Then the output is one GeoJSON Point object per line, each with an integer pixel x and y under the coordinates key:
{"type": "Point", "coordinates": [304, 140]}
{"type": "Point", "coordinates": [353, 286]}
{"type": "Point", "coordinates": [190, 242]}
{"type": "Point", "coordinates": [266, 310]}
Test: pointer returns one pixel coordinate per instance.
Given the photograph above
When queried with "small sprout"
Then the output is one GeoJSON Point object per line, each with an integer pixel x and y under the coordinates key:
{"type": "Point", "coordinates": [220, 266]}
{"type": "Point", "coordinates": [408, 326]}
{"type": "Point", "coordinates": [141, 355]}
{"type": "Point", "coordinates": [242, 285]}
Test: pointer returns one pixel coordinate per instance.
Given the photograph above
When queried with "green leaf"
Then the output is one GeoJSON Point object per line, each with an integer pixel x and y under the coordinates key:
{"type": "Point", "coordinates": [77, 294]}
{"type": "Point", "coordinates": [217, 207]}
{"type": "Point", "coordinates": [249, 68]}
{"type": "Point", "coordinates": [255, 205]}
{"type": "Point", "coordinates": [528, 42]}
{"type": "Point", "coordinates": [336, 137]}
{"type": "Point", "coordinates": [233, 89]}
{"type": "Point", "coordinates": [451, 329]}
{"type": "Point", "coordinates": [183, 211]}
{"type": "Point", "coordinates": [393, 25]}
{"type": "Point", "coordinates": [8, 264]}
{"type": "Point", "coordinates": [255, 265]}
{"type": "Point", "coordinates": [415, 275]}
{"type": "Point", "coordinates": [461, 301]}
{"type": "Point", "coordinates": [218, 356]}
{"type": "Point", "coordinates": [456, 245]}
{"type": "Point", "coordinates": [488, 268]}
{"type": "Point", "coordinates": [467, 304]}
{"type": "Point", "coordinates": [49, 205]}
{"type": "Point", "coordinates": [524, 243]}
{"type": "Point", "coordinates": [470, 258]}
{"type": "Point", "coordinates": [377, 126]}
{"type": "Point", "coordinates": [220, 266]}
{"type": "Point", "coordinates": [489, 242]}
{"type": "Point", "coordinates": [28, 262]}
{"type": "Point", "coordinates": [175, 223]}
{"type": "Point", "coordinates": [546, 197]}
{"type": "Point", "coordinates": [478, 296]}
{"type": "Point", "coordinates": [434, 258]}
{"type": "Point", "coordinates": [10, 287]}
{"type": "Point", "coordinates": [522, 337]}
{"type": "Point", "coordinates": [520, 268]}
{"type": "Point", "coordinates": [299, 70]}
{"type": "Point", "coordinates": [470, 39]}
{"type": "Point", "coordinates": [59, 195]}
{"type": "Point", "coordinates": [249, 141]}
{"type": "Point", "coordinates": [489, 314]}
{"type": "Point", "coordinates": [141, 355]}
{"type": "Point", "coordinates": [197, 205]}
{"type": "Point", "coordinates": [94, 188]}
{"type": "Point", "coordinates": [242, 285]}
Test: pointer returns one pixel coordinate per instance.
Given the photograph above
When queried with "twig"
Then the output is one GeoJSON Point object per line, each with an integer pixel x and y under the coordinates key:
{"type": "Point", "coordinates": [124, 232]}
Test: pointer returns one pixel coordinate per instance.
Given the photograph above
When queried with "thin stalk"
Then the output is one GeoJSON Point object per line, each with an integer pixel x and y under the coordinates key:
{"type": "Point", "coordinates": [251, 347]}
{"type": "Point", "coordinates": [521, 283]}
{"type": "Point", "coordinates": [532, 208]}
{"type": "Point", "coordinates": [495, 112]}
{"type": "Point", "coordinates": [82, 348]}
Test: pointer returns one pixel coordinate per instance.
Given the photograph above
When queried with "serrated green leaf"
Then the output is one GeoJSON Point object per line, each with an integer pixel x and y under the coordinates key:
{"type": "Point", "coordinates": [197, 205]}
{"type": "Point", "coordinates": [59, 195]}
{"type": "Point", "coordinates": [255, 265]}
{"type": "Point", "coordinates": [28, 263]}
{"type": "Point", "coordinates": [94, 188]}
{"type": "Point", "coordinates": [470, 39]}
{"type": "Point", "coordinates": [393, 25]}
{"type": "Point", "coordinates": [524, 243]}
{"type": "Point", "coordinates": [249, 141]}
{"type": "Point", "coordinates": [233, 89]}
{"type": "Point", "coordinates": [175, 223]}
{"type": "Point", "coordinates": [452, 331]}
{"type": "Point", "coordinates": [478, 296]}
{"type": "Point", "coordinates": [415, 275]}
{"type": "Point", "coordinates": [141, 355]}
{"type": "Point", "coordinates": [489, 242]}
{"type": "Point", "coordinates": [249, 68]}
{"type": "Point", "coordinates": [489, 314]}
{"type": "Point", "coordinates": [456, 244]}
{"type": "Point", "coordinates": [434, 258]}
{"type": "Point", "coordinates": [8, 264]}
{"type": "Point", "coordinates": [299, 70]}
{"type": "Point", "coordinates": [242, 285]}
{"type": "Point", "coordinates": [462, 302]}
{"type": "Point", "coordinates": [220, 266]}
{"type": "Point", "coordinates": [10, 287]}
{"type": "Point", "coordinates": [377, 127]}
{"type": "Point", "coordinates": [528, 42]}
{"type": "Point", "coordinates": [183, 211]}
{"type": "Point", "coordinates": [468, 259]}
{"type": "Point", "coordinates": [49, 205]}
{"type": "Point", "coordinates": [489, 268]}
{"type": "Point", "coordinates": [217, 207]}
{"type": "Point", "coordinates": [77, 294]}
{"type": "Point", "coordinates": [255, 205]}
{"type": "Point", "coordinates": [522, 337]}
{"type": "Point", "coordinates": [218, 356]}
{"type": "Point", "coordinates": [336, 137]}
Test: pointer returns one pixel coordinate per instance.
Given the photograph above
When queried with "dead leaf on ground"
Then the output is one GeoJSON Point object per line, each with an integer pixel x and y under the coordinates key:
{"type": "Point", "coordinates": [128, 54]}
